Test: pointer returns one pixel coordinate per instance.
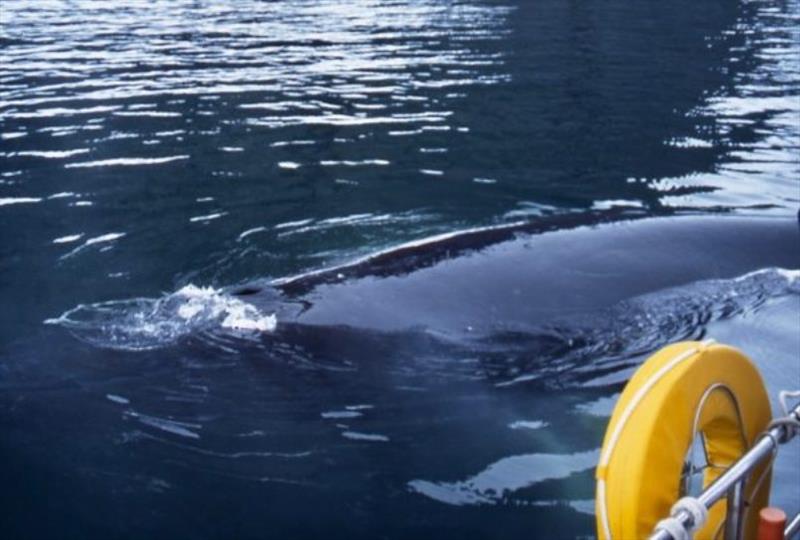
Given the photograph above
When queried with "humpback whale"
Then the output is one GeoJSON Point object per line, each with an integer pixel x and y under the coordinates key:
{"type": "Point", "coordinates": [524, 275]}
{"type": "Point", "coordinates": [548, 283]}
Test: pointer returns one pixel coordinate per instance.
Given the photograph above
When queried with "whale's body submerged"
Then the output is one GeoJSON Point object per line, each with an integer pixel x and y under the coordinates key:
{"type": "Point", "coordinates": [560, 301]}
{"type": "Point", "coordinates": [552, 305]}
{"type": "Point", "coordinates": [531, 279]}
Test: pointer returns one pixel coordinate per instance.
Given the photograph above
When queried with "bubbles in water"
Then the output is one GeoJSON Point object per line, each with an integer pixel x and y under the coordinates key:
{"type": "Point", "coordinates": [145, 323]}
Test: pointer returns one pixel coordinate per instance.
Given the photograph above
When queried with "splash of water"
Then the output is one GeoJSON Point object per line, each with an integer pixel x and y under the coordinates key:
{"type": "Point", "coordinates": [150, 323]}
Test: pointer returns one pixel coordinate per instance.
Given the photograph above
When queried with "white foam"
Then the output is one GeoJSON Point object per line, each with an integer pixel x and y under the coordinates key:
{"type": "Point", "coordinates": [248, 232]}
{"type": "Point", "coordinates": [404, 132]}
{"type": "Point", "coordinates": [62, 111]}
{"type": "Point", "coordinates": [289, 224]}
{"type": "Point", "coordinates": [371, 437]}
{"type": "Point", "coordinates": [62, 195]}
{"type": "Point", "coordinates": [289, 165]}
{"type": "Point", "coordinates": [53, 154]}
{"type": "Point", "coordinates": [349, 120]}
{"type": "Point", "coordinates": [435, 128]}
{"type": "Point", "coordinates": [689, 142]}
{"type": "Point", "coordinates": [67, 239]}
{"type": "Point", "coordinates": [103, 238]}
{"type": "Point", "coordinates": [616, 203]}
{"type": "Point", "coordinates": [790, 276]}
{"type": "Point", "coordinates": [359, 407]}
{"type": "Point", "coordinates": [242, 317]}
{"type": "Point", "coordinates": [353, 163]}
{"type": "Point", "coordinates": [207, 217]}
{"type": "Point", "coordinates": [149, 114]}
{"type": "Point", "coordinates": [125, 162]}
{"type": "Point", "coordinates": [5, 201]}
{"type": "Point", "coordinates": [148, 323]}
{"type": "Point", "coordinates": [279, 144]}
{"type": "Point", "coordinates": [352, 218]}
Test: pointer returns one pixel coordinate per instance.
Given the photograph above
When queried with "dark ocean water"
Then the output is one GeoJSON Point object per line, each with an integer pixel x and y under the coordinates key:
{"type": "Point", "coordinates": [571, 186]}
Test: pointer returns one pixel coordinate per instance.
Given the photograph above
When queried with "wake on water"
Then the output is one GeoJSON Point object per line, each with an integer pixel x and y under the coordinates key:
{"type": "Point", "coordinates": [610, 338]}
{"type": "Point", "coordinates": [508, 355]}
{"type": "Point", "coordinates": [151, 323]}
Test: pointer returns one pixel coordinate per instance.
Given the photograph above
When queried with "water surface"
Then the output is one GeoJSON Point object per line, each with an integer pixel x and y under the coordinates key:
{"type": "Point", "coordinates": [160, 157]}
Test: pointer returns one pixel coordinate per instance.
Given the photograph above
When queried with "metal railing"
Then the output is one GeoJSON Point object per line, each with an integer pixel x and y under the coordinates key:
{"type": "Point", "coordinates": [731, 483]}
{"type": "Point", "coordinates": [792, 528]}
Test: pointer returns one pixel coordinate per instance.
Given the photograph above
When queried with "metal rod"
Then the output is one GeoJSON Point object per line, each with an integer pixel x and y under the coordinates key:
{"type": "Point", "coordinates": [739, 470]}
{"type": "Point", "coordinates": [733, 516]}
{"type": "Point", "coordinates": [792, 529]}
{"type": "Point", "coordinates": [765, 446]}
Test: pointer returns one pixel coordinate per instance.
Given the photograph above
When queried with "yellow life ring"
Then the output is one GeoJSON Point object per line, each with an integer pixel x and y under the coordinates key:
{"type": "Point", "coordinates": [682, 391]}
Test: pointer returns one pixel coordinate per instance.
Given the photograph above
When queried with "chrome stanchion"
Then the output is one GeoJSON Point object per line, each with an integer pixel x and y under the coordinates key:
{"type": "Point", "coordinates": [731, 482]}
